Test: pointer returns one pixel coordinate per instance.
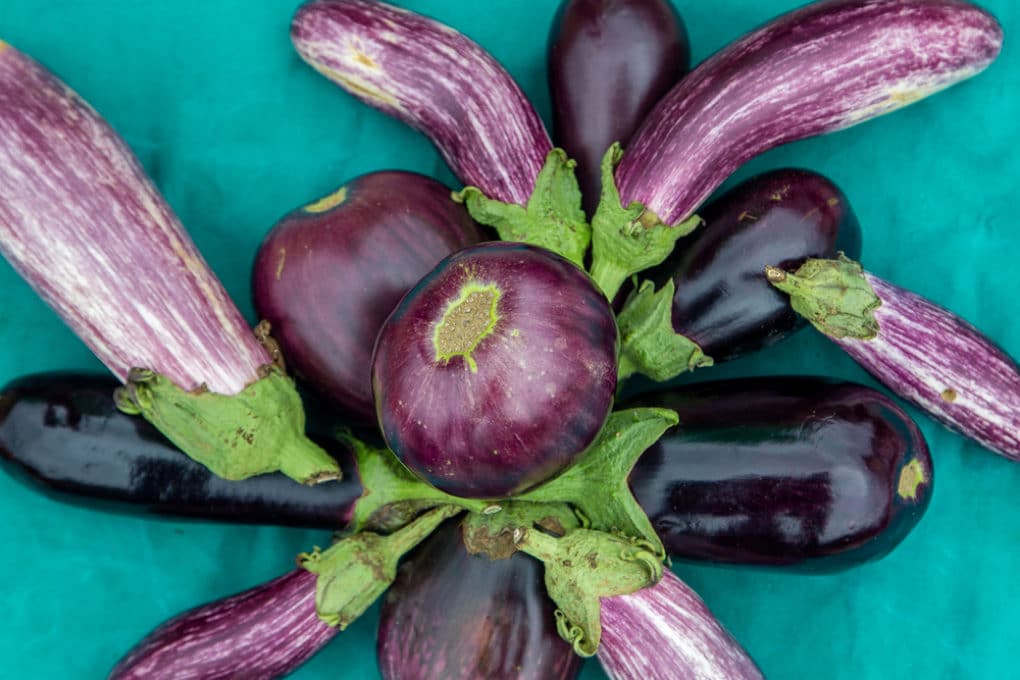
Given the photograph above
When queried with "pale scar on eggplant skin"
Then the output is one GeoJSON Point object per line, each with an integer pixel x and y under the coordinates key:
{"type": "Point", "coordinates": [327, 203]}
{"type": "Point", "coordinates": [949, 395]}
{"type": "Point", "coordinates": [912, 476]}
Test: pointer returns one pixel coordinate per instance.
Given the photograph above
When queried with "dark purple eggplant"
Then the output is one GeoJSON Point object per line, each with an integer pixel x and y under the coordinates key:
{"type": "Point", "coordinates": [63, 433]}
{"type": "Point", "coordinates": [785, 471]}
{"type": "Point", "coordinates": [450, 614]}
{"type": "Point", "coordinates": [328, 275]}
{"type": "Point", "coordinates": [723, 300]}
{"type": "Point", "coordinates": [609, 62]}
{"type": "Point", "coordinates": [496, 370]}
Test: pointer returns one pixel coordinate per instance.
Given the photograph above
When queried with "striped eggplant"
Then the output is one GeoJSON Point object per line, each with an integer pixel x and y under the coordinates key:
{"type": "Point", "coordinates": [822, 68]}
{"type": "Point", "coordinates": [665, 632]}
{"type": "Point", "coordinates": [263, 633]}
{"type": "Point", "coordinates": [81, 222]}
{"type": "Point", "coordinates": [919, 350]}
{"type": "Point", "coordinates": [437, 81]}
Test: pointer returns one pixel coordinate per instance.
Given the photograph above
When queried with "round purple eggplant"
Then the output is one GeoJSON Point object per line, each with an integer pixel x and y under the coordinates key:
{"type": "Point", "coordinates": [496, 370]}
{"type": "Point", "coordinates": [328, 274]}
{"type": "Point", "coordinates": [723, 299]}
{"type": "Point", "coordinates": [450, 614]}
{"type": "Point", "coordinates": [786, 471]}
{"type": "Point", "coordinates": [610, 61]}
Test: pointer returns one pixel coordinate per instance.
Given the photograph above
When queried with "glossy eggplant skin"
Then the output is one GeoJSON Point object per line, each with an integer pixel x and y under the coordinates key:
{"type": "Point", "coordinates": [795, 472]}
{"type": "Point", "coordinates": [450, 614]}
{"type": "Point", "coordinates": [62, 433]}
{"type": "Point", "coordinates": [723, 300]}
{"type": "Point", "coordinates": [610, 61]}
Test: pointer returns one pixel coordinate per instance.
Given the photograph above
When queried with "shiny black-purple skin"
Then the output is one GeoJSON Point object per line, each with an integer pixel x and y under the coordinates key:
{"type": "Point", "coordinates": [63, 434]}
{"type": "Point", "coordinates": [450, 614]}
{"type": "Point", "coordinates": [328, 275]}
{"type": "Point", "coordinates": [787, 471]}
{"type": "Point", "coordinates": [609, 62]}
{"type": "Point", "coordinates": [529, 397]}
{"type": "Point", "coordinates": [723, 300]}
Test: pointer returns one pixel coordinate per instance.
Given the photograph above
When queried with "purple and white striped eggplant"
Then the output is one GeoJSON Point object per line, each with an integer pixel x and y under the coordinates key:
{"type": "Point", "coordinates": [81, 222]}
{"type": "Point", "coordinates": [265, 632]}
{"type": "Point", "coordinates": [921, 351]}
{"type": "Point", "coordinates": [822, 68]}
{"type": "Point", "coordinates": [665, 632]}
{"type": "Point", "coordinates": [437, 81]}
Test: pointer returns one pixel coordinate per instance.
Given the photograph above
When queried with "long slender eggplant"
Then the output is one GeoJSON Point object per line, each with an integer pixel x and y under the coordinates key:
{"type": "Point", "coordinates": [450, 614]}
{"type": "Point", "coordinates": [63, 434]}
{"type": "Point", "coordinates": [821, 68]}
{"type": "Point", "coordinates": [610, 61]}
{"type": "Point", "coordinates": [328, 274]}
{"type": "Point", "coordinates": [921, 351]}
{"type": "Point", "coordinates": [81, 222]}
{"type": "Point", "coordinates": [437, 81]}
{"type": "Point", "coordinates": [787, 471]}
{"type": "Point", "coordinates": [723, 301]}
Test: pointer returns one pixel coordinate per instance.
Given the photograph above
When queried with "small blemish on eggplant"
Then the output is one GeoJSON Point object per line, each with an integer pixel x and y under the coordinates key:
{"type": "Point", "coordinates": [912, 476]}
{"type": "Point", "coordinates": [747, 217]}
{"type": "Point", "coordinates": [949, 395]}
{"type": "Point", "coordinates": [279, 263]}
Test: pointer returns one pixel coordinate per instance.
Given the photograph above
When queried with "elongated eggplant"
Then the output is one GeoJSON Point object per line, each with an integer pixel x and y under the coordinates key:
{"type": "Point", "coordinates": [786, 471]}
{"type": "Point", "coordinates": [921, 351]}
{"type": "Point", "coordinates": [610, 61]}
{"type": "Point", "coordinates": [822, 68]}
{"type": "Point", "coordinates": [723, 301]}
{"type": "Point", "coordinates": [450, 614]}
{"type": "Point", "coordinates": [328, 274]}
{"type": "Point", "coordinates": [63, 433]}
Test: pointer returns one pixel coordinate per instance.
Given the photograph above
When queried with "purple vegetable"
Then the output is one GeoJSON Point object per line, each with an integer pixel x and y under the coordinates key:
{"type": "Point", "coordinates": [450, 614]}
{"type": "Point", "coordinates": [496, 370]}
{"type": "Point", "coordinates": [328, 275]}
{"type": "Point", "coordinates": [922, 352]}
{"type": "Point", "coordinates": [435, 80]}
{"type": "Point", "coordinates": [262, 633]}
{"type": "Point", "coordinates": [825, 67]}
{"type": "Point", "coordinates": [666, 632]}
{"type": "Point", "coordinates": [610, 61]}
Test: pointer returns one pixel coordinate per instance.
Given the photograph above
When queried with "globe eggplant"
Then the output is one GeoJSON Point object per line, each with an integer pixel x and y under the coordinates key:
{"type": "Point", "coordinates": [788, 471]}
{"type": "Point", "coordinates": [610, 61]}
{"type": "Point", "coordinates": [496, 370]}
{"type": "Point", "coordinates": [328, 275]}
{"type": "Point", "coordinates": [81, 222]}
{"type": "Point", "coordinates": [818, 69]}
{"type": "Point", "coordinates": [451, 614]}
{"type": "Point", "coordinates": [63, 433]}
{"type": "Point", "coordinates": [919, 350]}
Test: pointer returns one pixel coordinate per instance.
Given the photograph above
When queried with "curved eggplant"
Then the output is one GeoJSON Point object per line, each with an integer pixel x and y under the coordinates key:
{"type": "Point", "coordinates": [785, 471]}
{"type": "Point", "coordinates": [610, 61]}
{"type": "Point", "coordinates": [63, 433]}
{"type": "Point", "coordinates": [723, 300]}
{"type": "Point", "coordinates": [450, 614]}
{"type": "Point", "coordinates": [328, 274]}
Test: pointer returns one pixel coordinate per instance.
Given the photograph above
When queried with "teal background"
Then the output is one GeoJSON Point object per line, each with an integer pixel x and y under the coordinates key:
{"type": "Point", "coordinates": [236, 131]}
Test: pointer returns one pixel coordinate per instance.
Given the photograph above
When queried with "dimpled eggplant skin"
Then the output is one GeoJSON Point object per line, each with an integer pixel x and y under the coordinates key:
{"type": "Point", "coordinates": [723, 300]}
{"type": "Point", "coordinates": [450, 614]}
{"type": "Point", "coordinates": [787, 471]}
{"type": "Point", "coordinates": [329, 273]}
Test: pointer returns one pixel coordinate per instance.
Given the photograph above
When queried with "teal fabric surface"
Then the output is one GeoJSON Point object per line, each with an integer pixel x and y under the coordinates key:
{"type": "Point", "coordinates": [236, 131]}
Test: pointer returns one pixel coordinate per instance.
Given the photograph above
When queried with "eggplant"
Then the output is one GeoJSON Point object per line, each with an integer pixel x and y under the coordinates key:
{"type": "Point", "coordinates": [63, 434]}
{"type": "Point", "coordinates": [328, 275]}
{"type": "Point", "coordinates": [785, 471]}
{"type": "Point", "coordinates": [609, 62]}
{"type": "Point", "coordinates": [818, 69]}
{"type": "Point", "coordinates": [723, 301]}
{"type": "Point", "coordinates": [922, 352]}
{"type": "Point", "coordinates": [496, 370]}
{"type": "Point", "coordinates": [451, 614]}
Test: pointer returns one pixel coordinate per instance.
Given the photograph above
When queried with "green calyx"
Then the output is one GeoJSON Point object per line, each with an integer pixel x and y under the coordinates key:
{"type": "Point", "coordinates": [648, 343]}
{"type": "Point", "coordinates": [833, 295]}
{"type": "Point", "coordinates": [356, 570]}
{"type": "Point", "coordinates": [552, 219]}
{"type": "Point", "coordinates": [627, 240]}
{"type": "Point", "coordinates": [467, 320]}
{"type": "Point", "coordinates": [257, 431]}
